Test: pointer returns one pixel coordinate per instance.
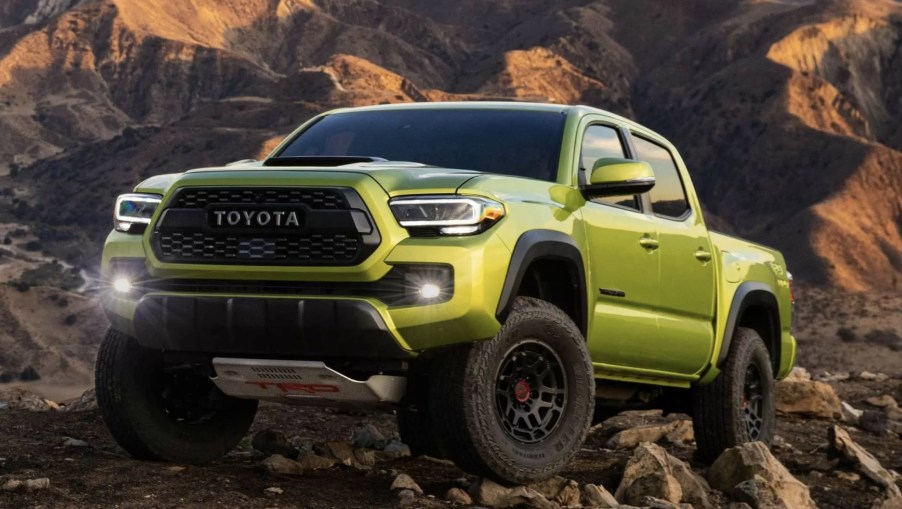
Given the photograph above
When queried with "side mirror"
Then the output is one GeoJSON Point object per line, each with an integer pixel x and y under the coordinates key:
{"type": "Point", "coordinates": [614, 177]}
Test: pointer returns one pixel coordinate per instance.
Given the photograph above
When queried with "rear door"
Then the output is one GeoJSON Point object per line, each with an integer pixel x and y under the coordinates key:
{"type": "Point", "coordinates": [685, 308]}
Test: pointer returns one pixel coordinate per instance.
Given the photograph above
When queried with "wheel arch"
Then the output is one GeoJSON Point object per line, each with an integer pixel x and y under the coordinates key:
{"type": "Point", "coordinates": [755, 306]}
{"type": "Point", "coordinates": [539, 252]}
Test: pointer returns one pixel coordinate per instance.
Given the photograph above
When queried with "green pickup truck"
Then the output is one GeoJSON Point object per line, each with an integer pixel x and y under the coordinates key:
{"type": "Point", "coordinates": [498, 274]}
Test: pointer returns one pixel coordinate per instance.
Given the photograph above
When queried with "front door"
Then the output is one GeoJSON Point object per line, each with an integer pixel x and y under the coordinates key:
{"type": "Point", "coordinates": [624, 265]}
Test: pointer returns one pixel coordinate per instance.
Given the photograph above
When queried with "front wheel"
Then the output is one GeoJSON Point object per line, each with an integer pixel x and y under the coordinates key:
{"type": "Point", "coordinates": [738, 406]}
{"type": "Point", "coordinates": [516, 408]}
{"type": "Point", "coordinates": [160, 413]}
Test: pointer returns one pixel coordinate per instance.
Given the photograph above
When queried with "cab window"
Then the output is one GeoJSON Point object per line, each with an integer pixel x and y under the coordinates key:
{"type": "Point", "coordinates": [668, 198]}
{"type": "Point", "coordinates": [600, 141]}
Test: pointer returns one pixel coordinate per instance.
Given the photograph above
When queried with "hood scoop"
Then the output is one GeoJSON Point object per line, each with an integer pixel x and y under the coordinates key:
{"type": "Point", "coordinates": [319, 161]}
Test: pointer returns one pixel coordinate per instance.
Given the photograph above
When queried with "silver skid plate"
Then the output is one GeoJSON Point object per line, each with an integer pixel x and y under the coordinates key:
{"type": "Point", "coordinates": [302, 383]}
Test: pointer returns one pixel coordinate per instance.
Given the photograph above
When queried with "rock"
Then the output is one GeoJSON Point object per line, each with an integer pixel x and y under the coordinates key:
{"type": "Point", "coordinates": [833, 377]}
{"type": "Point", "coordinates": [458, 496]}
{"type": "Point", "coordinates": [273, 490]}
{"type": "Point", "coordinates": [872, 377]}
{"type": "Point", "coordinates": [874, 421]}
{"type": "Point", "coordinates": [74, 442]}
{"type": "Point", "coordinates": [407, 497]}
{"type": "Point", "coordinates": [369, 437]}
{"type": "Point", "coordinates": [489, 493]}
{"type": "Point", "coordinates": [86, 402]}
{"type": "Point", "coordinates": [364, 459]}
{"type": "Point", "coordinates": [405, 482]}
{"type": "Point", "coordinates": [4, 406]}
{"type": "Point", "coordinates": [679, 431]}
{"type": "Point", "coordinates": [757, 492]}
{"type": "Point", "coordinates": [394, 450]}
{"type": "Point", "coordinates": [340, 451]}
{"type": "Point", "coordinates": [596, 496]}
{"type": "Point", "coordinates": [847, 476]}
{"type": "Point", "coordinates": [798, 374]}
{"type": "Point", "coordinates": [780, 443]}
{"type": "Point", "coordinates": [893, 502]}
{"type": "Point", "coordinates": [884, 401]}
{"type": "Point", "coordinates": [175, 470]}
{"type": "Point", "coordinates": [769, 479]}
{"type": "Point", "coordinates": [811, 399]}
{"type": "Point", "coordinates": [647, 473]}
{"type": "Point", "coordinates": [695, 487]}
{"type": "Point", "coordinates": [271, 442]}
{"type": "Point", "coordinates": [560, 490]}
{"type": "Point", "coordinates": [850, 414]}
{"type": "Point", "coordinates": [26, 485]}
{"type": "Point", "coordinates": [657, 503]}
{"type": "Point", "coordinates": [280, 465]}
{"type": "Point", "coordinates": [841, 443]}
{"type": "Point", "coordinates": [314, 462]}
{"type": "Point", "coordinates": [18, 398]}
{"type": "Point", "coordinates": [894, 419]}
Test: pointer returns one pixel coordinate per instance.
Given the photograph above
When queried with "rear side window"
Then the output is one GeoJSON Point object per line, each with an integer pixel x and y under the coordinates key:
{"type": "Point", "coordinates": [668, 198]}
{"type": "Point", "coordinates": [602, 141]}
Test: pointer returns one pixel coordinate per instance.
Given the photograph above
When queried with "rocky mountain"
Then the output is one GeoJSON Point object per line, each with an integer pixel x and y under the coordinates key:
{"type": "Point", "coordinates": [786, 111]}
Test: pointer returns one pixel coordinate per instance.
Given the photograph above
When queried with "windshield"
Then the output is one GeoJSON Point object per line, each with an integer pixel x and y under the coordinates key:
{"type": "Point", "coordinates": [512, 142]}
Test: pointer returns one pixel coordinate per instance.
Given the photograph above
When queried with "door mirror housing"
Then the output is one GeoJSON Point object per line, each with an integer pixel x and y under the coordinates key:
{"type": "Point", "coordinates": [615, 177]}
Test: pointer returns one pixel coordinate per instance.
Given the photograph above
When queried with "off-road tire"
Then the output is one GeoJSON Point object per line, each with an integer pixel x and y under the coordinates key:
{"type": "Point", "coordinates": [136, 415]}
{"type": "Point", "coordinates": [467, 424]}
{"type": "Point", "coordinates": [719, 408]}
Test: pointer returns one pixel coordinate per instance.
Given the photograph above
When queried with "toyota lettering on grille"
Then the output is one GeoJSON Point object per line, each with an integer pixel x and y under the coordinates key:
{"type": "Point", "coordinates": [249, 218]}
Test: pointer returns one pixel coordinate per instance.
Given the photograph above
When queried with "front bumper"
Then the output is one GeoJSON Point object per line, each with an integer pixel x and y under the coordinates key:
{"type": "Point", "coordinates": [311, 326]}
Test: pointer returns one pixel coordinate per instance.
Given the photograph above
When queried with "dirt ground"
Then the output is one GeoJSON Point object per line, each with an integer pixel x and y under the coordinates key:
{"type": "Point", "coordinates": [102, 475]}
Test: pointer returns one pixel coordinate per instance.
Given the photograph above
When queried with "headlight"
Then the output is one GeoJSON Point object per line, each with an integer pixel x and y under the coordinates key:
{"type": "Point", "coordinates": [133, 212]}
{"type": "Point", "coordinates": [447, 215]}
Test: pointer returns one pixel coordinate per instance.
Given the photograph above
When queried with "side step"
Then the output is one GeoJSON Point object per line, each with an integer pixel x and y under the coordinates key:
{"type": "Point", "coordinates": [303, 383]}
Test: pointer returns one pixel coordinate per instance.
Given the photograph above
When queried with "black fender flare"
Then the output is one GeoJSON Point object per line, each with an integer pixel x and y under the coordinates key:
{"type": "Point", "coordinates": [753, 294]}
{"type": "Point", "coordinates": [541, 245]}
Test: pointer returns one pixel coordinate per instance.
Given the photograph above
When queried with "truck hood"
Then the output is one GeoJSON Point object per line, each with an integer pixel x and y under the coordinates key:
{"type": "Point", "coordinates": [396, 178]}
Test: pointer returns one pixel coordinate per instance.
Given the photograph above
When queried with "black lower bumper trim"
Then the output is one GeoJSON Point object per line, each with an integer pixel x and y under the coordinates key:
{"type": "Point", "coordinates": [306, 328]}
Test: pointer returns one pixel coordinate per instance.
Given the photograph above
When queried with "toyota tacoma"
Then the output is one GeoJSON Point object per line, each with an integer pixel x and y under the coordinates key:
{"type": "Point", "coordinates": [498, 274]}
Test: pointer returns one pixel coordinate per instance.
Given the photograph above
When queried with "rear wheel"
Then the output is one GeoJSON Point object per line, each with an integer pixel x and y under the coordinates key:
{"type": "Point", "coordinates": [516, 408]}
{"type": "Point", "coordinates": [738, 406]}
{"type": "Point", "coordinates": [160, 413]}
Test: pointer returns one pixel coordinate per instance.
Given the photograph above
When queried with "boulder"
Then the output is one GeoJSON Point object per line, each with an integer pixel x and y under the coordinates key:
{"type": "Point", "coordinates": [884, 401]}
{"type": "Point", "coordinates": [26, 485]}
{"type": "Point", "coordinates": [458, 496]}
{"type": "Point", "coordinates": [87, 401]}
{"type": "Point", "coordinates": [596, 496]}
{"type": "Point", "coordinates": [651, 472]}
{"type": "Point", "coordinates": [811, 399]}
{"type": "Point", "coordinates": [679, 431]}
{"type": "Point", "coordinates": [894, 419]}
{"type": "Point", "coordinates": [557, 489]}
{"type": "Point", "coordinates": [271, 442]}
{"type": "Point", "coordinates": [369, 437]}
{"type": "Point", "coordinates": [342, 452]}
{"type": "Point", "coordinates": [280, 465]}
{"type": "Point", "coordinates": [850, 414]}
{"type": "Point", "coordinates": [405, 482]}
{"type": "Point", "coordinates": [491, 494]}
{"type": "Point", "coordinates": [768, 479]}
{"type": "Point", "coordinates": [841, 443]}
{"type": "Point", "coordinates": [874, 421]}
{"type": "Point", "coordinates": [364, 459]}
{"type": "Point", "coordinates": [872, 377]}
{"type": "Point", "coordinates": [18, 398]}
{"type": "Point", "coordinates": [798, 374]}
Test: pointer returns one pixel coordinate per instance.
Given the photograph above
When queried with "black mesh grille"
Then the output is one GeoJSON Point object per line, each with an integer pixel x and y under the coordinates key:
{"type": "Point", "coordinates": [329, 199]}
{"type": "Point", "coordinates": [329, 232]}
{"type": "Point", "coordinates": [303, 248]}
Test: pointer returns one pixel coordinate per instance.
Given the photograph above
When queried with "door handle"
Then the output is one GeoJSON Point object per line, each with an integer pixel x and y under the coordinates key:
{"type": "Point", "coordinates": [702, 255]}
{"type": "Point", "coordinates": [648, 243]}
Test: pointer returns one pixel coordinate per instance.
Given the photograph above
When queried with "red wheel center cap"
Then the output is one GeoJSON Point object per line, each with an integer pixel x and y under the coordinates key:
{"type": "Point", "coordinates": [521, 391]}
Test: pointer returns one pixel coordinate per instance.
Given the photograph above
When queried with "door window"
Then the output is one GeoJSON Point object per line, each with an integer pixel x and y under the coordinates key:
{"type": "Point", "coordinates": [668, 198]}
{"type": "Point", "coordinates": [600, 141]}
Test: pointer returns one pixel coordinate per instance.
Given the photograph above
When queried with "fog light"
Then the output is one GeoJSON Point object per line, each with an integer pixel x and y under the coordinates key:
{"type": "Point", "coordinates": [430, 291]}
{"type": "Point", "coordinates": [122, 285]}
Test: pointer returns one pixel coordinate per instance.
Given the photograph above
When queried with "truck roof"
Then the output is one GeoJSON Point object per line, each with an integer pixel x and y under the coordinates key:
{"type": "Point", "coordinates": [501, 105]}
